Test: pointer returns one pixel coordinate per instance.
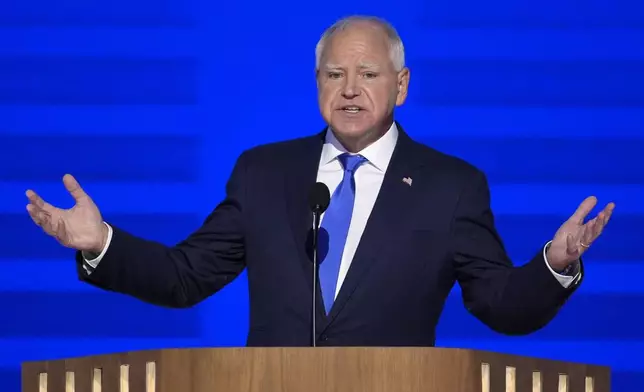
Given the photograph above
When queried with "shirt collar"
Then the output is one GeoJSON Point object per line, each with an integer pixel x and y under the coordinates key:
{"type": "Point", "coordinates": [377, 153]}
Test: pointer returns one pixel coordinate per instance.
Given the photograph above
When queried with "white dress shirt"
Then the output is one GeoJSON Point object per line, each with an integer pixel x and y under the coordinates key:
{"type": "Point", "coordinates": [368, 178]}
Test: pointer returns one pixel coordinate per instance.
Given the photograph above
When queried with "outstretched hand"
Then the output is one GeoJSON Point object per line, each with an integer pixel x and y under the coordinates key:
{"type": "Point", "coordinates": [80, 227]}
{"type": "Point", "coordinates": [574, 237]}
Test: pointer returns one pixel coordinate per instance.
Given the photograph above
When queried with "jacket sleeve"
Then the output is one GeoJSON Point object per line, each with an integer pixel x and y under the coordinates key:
{"type": "Point", "coordinates": [184, 274]}
{"type": "Point", "coordinates": [508, 299]}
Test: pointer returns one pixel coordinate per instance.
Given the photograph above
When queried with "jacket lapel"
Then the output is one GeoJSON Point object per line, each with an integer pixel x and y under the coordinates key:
{"type": "Point", "coordinates": [299, 178]}
{"type": "Point", "coordinates": [386, 219]}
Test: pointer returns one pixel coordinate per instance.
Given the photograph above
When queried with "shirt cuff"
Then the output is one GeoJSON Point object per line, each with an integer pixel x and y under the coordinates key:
{"type": "Point", "coordinates": [569, 276]}
{"type": "Point", "coordinates": [91, 263]}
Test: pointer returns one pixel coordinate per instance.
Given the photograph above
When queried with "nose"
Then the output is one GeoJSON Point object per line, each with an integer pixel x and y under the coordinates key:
{"type": "Point", "coordinates": [350, 88]}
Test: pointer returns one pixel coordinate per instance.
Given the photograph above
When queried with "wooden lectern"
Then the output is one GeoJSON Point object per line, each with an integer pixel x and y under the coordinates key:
{"type": "Point", "coordinates": [332, 369]}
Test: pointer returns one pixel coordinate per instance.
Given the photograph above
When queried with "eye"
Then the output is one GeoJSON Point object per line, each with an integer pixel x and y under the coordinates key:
{"type": "Point", "coordinates": [334, 75]}
{"type": "Point", "coordinates": [370, 75]}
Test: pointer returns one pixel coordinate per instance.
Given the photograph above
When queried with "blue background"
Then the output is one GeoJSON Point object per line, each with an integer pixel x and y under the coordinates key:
{"type": "Point", "coordinates": [149, 102]}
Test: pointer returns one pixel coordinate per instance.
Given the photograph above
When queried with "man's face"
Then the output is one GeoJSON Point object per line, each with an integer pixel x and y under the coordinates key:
{"type": "Point", "coordinates": [358, 86]}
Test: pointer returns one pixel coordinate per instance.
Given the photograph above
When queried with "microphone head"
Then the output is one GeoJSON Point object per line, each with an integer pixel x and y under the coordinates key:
{"type": "Point", "coordinates": [319, 197]}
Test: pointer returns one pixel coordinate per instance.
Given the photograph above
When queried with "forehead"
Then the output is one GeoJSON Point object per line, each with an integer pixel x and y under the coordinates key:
{"type": "Point", "coordinates": [359, 42]}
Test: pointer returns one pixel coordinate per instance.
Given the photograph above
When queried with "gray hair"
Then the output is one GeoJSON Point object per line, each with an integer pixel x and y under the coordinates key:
{"type": "Point", "coordinates": [396, 47]}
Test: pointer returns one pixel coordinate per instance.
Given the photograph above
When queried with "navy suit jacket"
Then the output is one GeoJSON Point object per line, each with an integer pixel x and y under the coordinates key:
{"type": "Point", "coordinates": [419, 241]}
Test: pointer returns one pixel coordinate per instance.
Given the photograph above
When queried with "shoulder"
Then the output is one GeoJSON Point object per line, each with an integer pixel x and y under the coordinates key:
{"type": "Point", "coordinates": [454, 168]}
{"type": "Point", "coordinates": [454, 178]}
{"type": "Point", "coordinates": [282, 149]}
{"type": "Point", "coordinates": [279, 156]}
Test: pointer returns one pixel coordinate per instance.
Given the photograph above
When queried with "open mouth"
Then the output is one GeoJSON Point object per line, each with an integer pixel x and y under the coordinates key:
{"type": "Point", "coordinates": [352, 109]}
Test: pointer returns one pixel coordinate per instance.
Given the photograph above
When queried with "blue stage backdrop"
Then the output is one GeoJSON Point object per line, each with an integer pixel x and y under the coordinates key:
{"type": "Point", "coordinates": [149, 102]}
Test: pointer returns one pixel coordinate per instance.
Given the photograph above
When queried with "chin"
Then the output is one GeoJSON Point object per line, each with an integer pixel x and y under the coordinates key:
{"type": "Point", "coordinates": [351, 128]}
{"type": "Point", "coordinates": [350, 131]}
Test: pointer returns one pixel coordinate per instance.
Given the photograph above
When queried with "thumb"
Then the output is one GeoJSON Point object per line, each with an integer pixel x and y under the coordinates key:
{"type": "Point", "coordinates": [74, 188]}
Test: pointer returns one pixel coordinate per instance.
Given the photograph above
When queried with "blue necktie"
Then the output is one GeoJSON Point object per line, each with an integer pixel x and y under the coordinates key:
{"type": "Point", "coordinates": [336, 224]}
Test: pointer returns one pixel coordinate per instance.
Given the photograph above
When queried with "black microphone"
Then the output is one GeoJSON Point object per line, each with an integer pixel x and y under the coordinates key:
{"type": "Point", "coordinates": [319, 199]}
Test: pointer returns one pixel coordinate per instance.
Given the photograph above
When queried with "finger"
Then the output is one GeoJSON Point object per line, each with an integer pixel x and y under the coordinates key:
{"type": "Point", "coordinates": [38, 214]}
{"type": "Point", "coordinates": [62, 235]}
{"type": "Point", "coordinates": [584, 208]}
{"type": "Point", "coordinates": [601, 220]}
{"type": "Point", "coordinates": [74, 188]}
{"type": "Point", "coordinates": [37, 200]}
{"type": "Point", "coordinates": [588, 232]}
{"type": "Point", "coordinates": [608, 212]}
{"type": "Point", "coordinates": [33, 211]}
{"type": "Point", "coordinates": [42, 218]}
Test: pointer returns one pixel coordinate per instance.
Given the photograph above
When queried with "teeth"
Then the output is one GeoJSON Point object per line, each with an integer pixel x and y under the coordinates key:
{"type": "Point", "coordinates": [352, 109]}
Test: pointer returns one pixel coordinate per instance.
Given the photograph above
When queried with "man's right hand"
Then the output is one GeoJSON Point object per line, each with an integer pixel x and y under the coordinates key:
{"type": "Point", "coordinates": [80, 227]}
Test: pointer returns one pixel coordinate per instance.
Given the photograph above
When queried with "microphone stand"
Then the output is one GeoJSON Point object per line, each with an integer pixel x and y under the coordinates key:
{"type": "Point", "coordinates": [319, 200]}
{"type": "Point", "coordinates": [316, 225]}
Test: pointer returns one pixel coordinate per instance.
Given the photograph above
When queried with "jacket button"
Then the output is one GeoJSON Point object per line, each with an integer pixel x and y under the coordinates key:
{"type": "Point", "coordinates": [323, 337]}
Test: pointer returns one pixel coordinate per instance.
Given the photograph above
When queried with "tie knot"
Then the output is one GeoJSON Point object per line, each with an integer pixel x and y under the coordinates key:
{"type": "Point", "coordinates": [351, 162]}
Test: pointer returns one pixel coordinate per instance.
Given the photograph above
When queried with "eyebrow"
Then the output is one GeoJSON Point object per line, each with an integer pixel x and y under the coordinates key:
{"type": "Point", "coordinates": [332, 66]}
{"type": "Point", "coordinates": [361, 66]}
{"type": "Point", "coordinates": [369, 65]}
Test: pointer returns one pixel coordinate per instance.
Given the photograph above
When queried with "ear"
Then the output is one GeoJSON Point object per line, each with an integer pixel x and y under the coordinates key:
{"type": "Point", "coordinates": [317, 78]}
{"type": "Point", "coordinates": [403, 86]}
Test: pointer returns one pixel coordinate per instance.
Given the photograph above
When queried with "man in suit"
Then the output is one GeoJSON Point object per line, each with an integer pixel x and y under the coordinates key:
{"type": "Point", "coordinates": [404, 224]}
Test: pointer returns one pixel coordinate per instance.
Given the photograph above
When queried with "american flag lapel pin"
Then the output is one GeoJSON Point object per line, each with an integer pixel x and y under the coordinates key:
{"type": "Point", "coordinates": [407, 180]}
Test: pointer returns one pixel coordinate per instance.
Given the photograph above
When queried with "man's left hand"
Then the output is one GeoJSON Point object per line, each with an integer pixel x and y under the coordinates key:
{"type": "Point", "coordinates": [574, 237]}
